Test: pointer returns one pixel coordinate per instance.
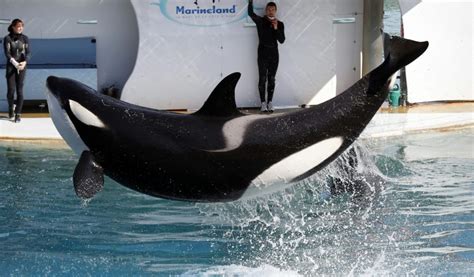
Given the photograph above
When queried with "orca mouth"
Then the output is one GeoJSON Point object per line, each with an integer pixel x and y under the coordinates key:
{"type": "Point", "coordinates": [61, 118]}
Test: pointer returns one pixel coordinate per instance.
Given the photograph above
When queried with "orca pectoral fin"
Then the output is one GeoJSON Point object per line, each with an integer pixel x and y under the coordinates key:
{"type": "Point", "coordinates": [88, 176]}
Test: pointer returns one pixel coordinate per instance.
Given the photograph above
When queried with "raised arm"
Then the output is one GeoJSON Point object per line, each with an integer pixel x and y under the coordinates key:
{"type": "Point", "coordinates": [252, 14]}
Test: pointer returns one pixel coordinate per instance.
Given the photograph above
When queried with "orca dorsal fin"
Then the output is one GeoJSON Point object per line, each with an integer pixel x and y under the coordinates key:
{"type": "Point", "coordinates": [221, 102]}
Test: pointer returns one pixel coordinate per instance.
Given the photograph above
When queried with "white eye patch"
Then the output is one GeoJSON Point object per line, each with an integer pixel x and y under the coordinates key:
{"type": "Point", "coordinates": [84, 115]}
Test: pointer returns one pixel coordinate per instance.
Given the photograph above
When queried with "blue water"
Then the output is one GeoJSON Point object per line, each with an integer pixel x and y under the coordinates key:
{"type": "Point", "coordinates": [416, 218]}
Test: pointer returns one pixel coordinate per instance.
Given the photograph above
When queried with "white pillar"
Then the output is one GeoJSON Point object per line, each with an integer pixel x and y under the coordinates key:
{"type": "Point", "coordinates": [372, 49]}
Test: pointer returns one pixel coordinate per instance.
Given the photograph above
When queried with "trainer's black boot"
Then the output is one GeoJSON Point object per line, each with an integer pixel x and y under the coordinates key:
{"type": "Point", "coordinates": [17, 118]}
{"type": "Point", "coordinates": [11, 115]}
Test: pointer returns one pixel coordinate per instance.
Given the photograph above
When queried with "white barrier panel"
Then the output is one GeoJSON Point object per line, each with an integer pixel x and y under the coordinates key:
{"type": "Point", "coordinates": [445, 71]}
{"type": "Point", "coordinates": [35, 82]}
{"type": "Point", "coordinates": [187, 47]}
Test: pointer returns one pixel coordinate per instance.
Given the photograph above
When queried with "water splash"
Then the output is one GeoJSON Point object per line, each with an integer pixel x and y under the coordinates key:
{"type": "Point", "coordinates": [85, 202]}
{"type": "Point", "coordinates": [236, 270]}
{"type": "Point", "coordinates": [309, 226]}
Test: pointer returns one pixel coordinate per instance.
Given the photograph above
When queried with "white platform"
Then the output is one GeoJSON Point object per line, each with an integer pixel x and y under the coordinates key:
{"type": "Point", "coordinates": [397, 124]}
{"type": "Point", "coordinates": [29, 128]}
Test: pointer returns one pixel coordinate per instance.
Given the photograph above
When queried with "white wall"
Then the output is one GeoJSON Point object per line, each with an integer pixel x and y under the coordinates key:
{"type": "Point", "coordinates": [445, 70]}
{"type": "Point", "coordinates": [181, 58]}
{"type": "Point", "coordinates": [178, 65]}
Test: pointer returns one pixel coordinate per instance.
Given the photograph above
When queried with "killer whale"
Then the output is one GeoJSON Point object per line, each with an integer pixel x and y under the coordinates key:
{"type": "Point", "coordinates": [217, 154]}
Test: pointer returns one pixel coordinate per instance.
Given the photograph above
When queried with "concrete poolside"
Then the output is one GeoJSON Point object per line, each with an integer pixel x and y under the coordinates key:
{"type": "Point", "coordinates": [388, 121]}
{"type": "Point", "coordinates": [419, 118]}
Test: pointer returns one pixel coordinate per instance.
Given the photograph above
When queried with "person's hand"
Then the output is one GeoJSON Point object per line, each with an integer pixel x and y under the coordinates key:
{"type": "Point", "coordinates": [21, 66]}
{"type": "Point", "coordinates": [14, 63]}
{"type": "Point", "coordinates": [274, 23]}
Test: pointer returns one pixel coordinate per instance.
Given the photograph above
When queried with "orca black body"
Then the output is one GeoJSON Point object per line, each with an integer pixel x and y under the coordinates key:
{"type": "Point", "coordinates": [215, 154]}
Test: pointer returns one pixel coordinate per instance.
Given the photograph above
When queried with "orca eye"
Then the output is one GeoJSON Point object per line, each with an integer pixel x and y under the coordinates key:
{"type": "Point", "coordinates": [84, 115]}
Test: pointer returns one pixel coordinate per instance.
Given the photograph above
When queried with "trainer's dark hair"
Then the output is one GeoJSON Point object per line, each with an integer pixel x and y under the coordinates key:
{"type": "Point", "coordinates": [14, 22]}
{"type": "Point", "coordinates": [272, 4]}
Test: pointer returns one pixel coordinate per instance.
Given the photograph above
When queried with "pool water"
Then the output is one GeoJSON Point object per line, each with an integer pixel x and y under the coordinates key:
{"type": "Point", "coordinates": [413, 214]}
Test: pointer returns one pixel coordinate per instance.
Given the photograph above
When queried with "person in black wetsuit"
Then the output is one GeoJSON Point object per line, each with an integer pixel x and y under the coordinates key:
{"type": "Point", "coordinates": [270, 31]}
{"type": "Point", "coordinates": [17, 52]}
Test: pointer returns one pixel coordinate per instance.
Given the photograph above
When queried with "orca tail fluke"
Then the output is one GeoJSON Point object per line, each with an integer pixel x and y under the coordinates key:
{"type": "Point", "coordinates": [401, 52]}
{"type": "Point", "coordinates": [404, 51]}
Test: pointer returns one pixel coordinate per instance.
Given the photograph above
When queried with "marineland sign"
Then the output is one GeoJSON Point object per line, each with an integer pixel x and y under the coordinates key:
{"type": "Point", "coordinates": [203, 13]}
